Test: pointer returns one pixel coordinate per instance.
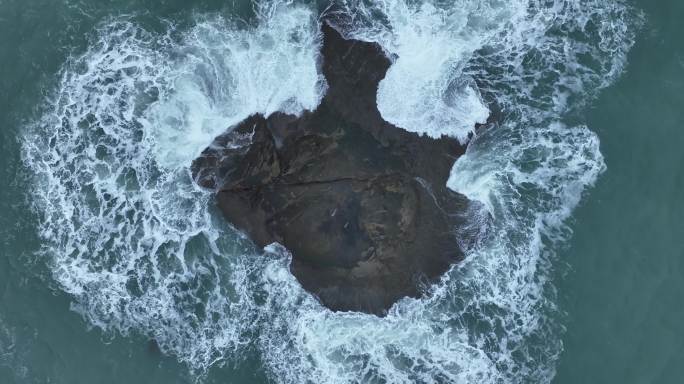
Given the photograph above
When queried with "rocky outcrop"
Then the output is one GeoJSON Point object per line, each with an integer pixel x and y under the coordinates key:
{"type": "Point", "coordinates": [361, 204]}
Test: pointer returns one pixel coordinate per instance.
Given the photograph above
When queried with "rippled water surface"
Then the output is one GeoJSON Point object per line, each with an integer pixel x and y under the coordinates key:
{"type": "Point", "coordinates": [115, 267]}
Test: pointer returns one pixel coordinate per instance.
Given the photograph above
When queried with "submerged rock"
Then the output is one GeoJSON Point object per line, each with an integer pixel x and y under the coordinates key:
{"type": "Point", "coordinates": [361, 204]}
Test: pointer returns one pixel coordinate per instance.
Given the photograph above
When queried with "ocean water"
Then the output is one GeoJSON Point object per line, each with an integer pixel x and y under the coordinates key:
{"type": "Point", "coordinates": [115, 267]}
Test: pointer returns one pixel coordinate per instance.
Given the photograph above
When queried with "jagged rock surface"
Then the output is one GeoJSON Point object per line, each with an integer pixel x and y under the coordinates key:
{"type": "Point", "coordinates": [361, 204]}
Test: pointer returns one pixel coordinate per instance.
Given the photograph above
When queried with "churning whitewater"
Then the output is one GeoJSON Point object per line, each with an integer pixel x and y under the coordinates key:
{"type": "Point", "coordinates": [141, 248]}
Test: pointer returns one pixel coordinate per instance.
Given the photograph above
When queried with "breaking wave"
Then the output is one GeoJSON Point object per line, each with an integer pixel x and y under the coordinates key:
{"type": "Point", "coordinates": [141, 249]}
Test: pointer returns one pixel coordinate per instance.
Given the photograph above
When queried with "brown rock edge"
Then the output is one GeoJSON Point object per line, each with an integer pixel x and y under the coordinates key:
{"type": "Point", "coordinates": [361, 204]}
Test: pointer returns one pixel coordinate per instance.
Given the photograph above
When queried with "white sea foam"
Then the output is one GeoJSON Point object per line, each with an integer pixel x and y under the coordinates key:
{"type": "Point", "coordinates": [137, 244]}
{"type": "Point", "coordinates": [127, 231]}
{"type": "Point", "coordinates": [224, 74]}
{"type": "Point", "coordinates": [426, 89]}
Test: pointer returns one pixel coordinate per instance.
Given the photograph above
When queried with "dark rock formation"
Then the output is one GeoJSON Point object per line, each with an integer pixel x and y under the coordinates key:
{"type": "Point", "coordinates": [361, 204]}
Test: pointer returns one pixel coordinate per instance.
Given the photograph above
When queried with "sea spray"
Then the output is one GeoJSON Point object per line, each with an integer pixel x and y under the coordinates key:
{"type": "Point", "coordinates": [139, 247]}
{"type": "Point", "coordinates": [127, 232]}
{"type": "Point", "coordinates": [223, 73]}
{"type": "Point", "coordinates": [426, 90]}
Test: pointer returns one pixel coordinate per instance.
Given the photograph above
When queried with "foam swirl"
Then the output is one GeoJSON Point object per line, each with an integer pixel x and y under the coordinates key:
{"type": "Point", "coordinates": [136, 243]}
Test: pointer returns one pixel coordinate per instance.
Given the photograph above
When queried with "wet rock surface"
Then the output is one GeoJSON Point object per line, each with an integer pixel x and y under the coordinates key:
{"type": "Point", "coordinates": [362, 205]}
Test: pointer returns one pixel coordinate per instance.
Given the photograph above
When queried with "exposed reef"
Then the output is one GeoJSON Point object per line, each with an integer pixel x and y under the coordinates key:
{"type": "Point", "coordinates": [362, 205]}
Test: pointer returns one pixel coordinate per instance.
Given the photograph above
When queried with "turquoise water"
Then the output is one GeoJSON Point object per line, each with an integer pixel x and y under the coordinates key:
{"type": "Point", "coordinates": [624, 290]}
{"type": "Point", "coordinates": [615, 307]}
